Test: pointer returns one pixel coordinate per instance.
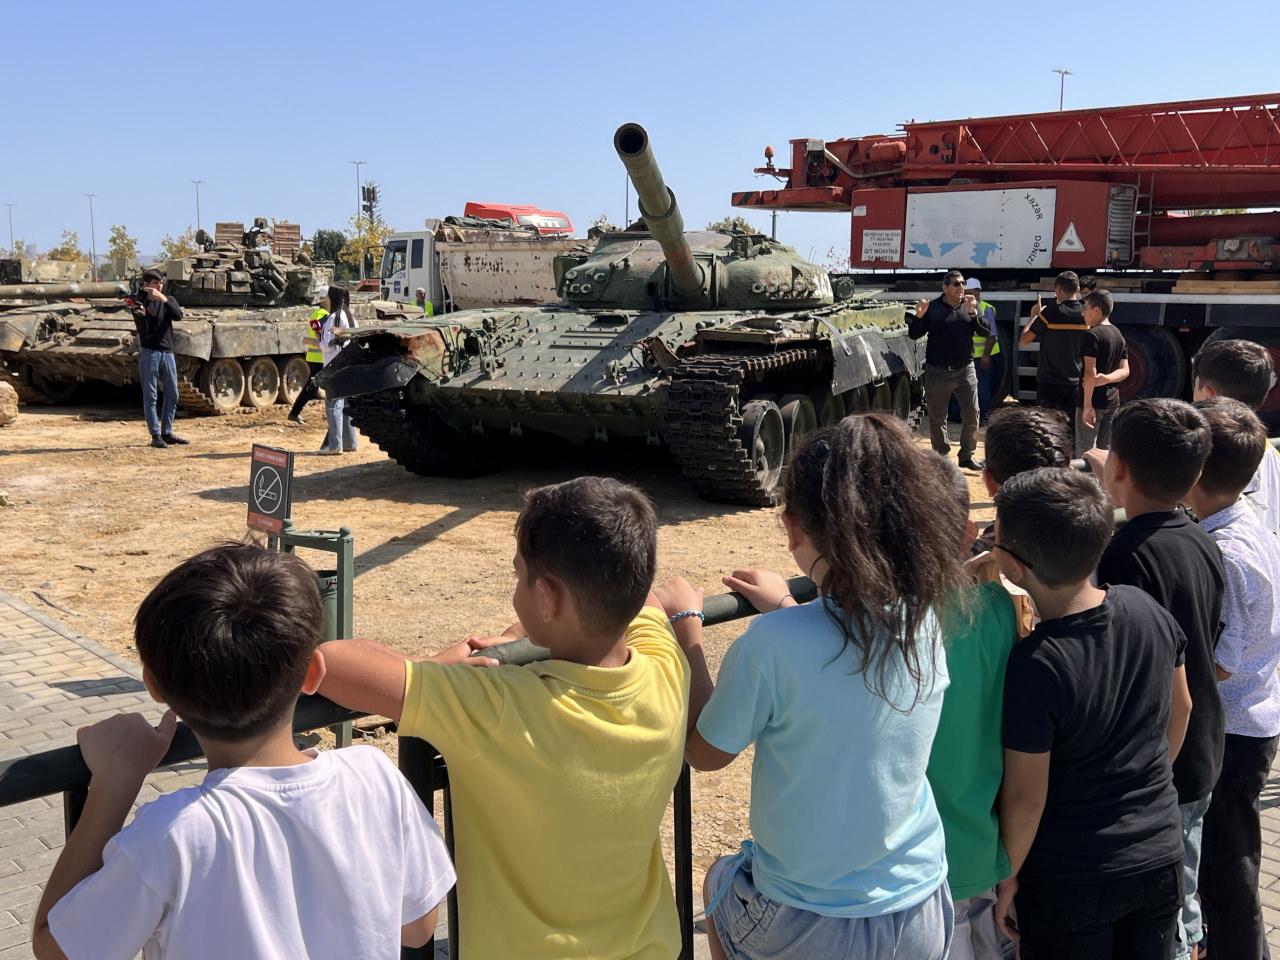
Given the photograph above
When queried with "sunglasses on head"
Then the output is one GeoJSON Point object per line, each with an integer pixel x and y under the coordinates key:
{"type": "Point", "coordinates": [1001, 546]}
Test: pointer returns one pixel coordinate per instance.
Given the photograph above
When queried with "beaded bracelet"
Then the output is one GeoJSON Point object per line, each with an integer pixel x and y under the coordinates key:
{"type": "Point", "coordinates": [682, 614]}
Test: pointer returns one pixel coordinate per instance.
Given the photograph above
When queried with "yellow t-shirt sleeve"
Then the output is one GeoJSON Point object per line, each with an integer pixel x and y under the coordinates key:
{"type": "Point", "coordinates": [650, 633]}
{"type": "Point", "coordinates": [456, 708]}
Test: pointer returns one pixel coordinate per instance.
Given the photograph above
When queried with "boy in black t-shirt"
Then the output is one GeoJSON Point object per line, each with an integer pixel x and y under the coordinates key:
{"type": "Point", "coordinates": [1158, 448]}
{"type": "Point", "coordinates": [1106, 363]}
{"type": "Point", "coordinates": [1060, 327]}
{"type": "Point", "coordinates": [1095, 704]}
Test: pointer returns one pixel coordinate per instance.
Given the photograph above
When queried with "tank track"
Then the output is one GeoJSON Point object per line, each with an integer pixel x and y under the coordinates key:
{"type": "Point", "coordinates": [701, 416]}
{"type": "Point", "coordinates": [413, 438]}
{"type": "Point", "coordinates": [193, 400]}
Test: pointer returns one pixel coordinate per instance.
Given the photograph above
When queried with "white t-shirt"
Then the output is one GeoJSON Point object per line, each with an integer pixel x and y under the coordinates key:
{"type": "Point", "coordinates": [327, 859]}
{"type": "Point", "coordinates": [329, 346]}
{"type": "Point", "coordinates": [1263, 491]}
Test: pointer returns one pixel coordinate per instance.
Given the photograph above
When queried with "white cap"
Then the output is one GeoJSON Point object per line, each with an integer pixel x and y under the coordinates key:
{"type": "Point", "coordinates": [973, 283]}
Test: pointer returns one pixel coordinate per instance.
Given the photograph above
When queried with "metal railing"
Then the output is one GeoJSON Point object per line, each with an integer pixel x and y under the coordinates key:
{"type": "Point", "coordinates": [63, 771]}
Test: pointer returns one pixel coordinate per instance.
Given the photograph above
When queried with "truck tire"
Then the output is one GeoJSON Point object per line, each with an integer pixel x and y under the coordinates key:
{"type": "Point", "coordinates": [1157, 364]}
{"type": "Point", "coordinates": [1269, 412]}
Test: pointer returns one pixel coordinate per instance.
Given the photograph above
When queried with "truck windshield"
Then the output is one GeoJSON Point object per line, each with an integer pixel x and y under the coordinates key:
{"type": "Point", "coordinates": [393, 257]}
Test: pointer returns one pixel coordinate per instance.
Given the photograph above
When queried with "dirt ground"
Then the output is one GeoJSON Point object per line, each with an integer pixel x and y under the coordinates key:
{"type": "Point", "coordinates": [96, 516]}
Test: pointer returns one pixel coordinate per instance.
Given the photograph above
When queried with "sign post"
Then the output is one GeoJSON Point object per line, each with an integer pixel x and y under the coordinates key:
{"type": "Point", "coordinates": [270, 488]}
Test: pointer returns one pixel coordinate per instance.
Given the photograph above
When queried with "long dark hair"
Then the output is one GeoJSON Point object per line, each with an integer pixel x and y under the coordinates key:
{"type": "Point", "coordinates": [339, 300]}
{"type": "Point", "coordinates": [888, 525]}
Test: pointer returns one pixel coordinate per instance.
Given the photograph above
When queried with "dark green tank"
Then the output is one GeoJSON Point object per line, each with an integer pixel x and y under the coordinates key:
{"type": "Point", "coordinates": [722, 347]}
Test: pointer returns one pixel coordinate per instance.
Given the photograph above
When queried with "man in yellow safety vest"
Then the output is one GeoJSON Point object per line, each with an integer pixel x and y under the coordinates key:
{"type": "Point", "coordinates": [986, 353]}
{"type": "Point", "coordinates": [315, 360]}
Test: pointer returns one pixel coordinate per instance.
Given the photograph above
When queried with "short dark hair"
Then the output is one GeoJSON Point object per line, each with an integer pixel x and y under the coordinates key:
{"type": "Point", "coordinates": [228, 634]}
{"type": "Point", "coordinates": [1068, 281]}
{"type": "Point", "coordinates": [1089, 283]}
{"type": "Point", "coordinates": [952, 275]}
{"type": "Point", "coordinates": [1239, 444]}
{"type": "Point", "coordinates": [1056, 520]}
{"type": "Point", "coordinates": [1239, 369]}
{"type": "Point", "coordinates": [1164, 443]}
{"type": "Point", "coordinates": [152, 276]}
{"type": "Point", "coordinates": [597, 535]}
{"type": "Point", "coordinates": [1102, 300]}
{"type": "Point", "coordinates": [1021, 438]}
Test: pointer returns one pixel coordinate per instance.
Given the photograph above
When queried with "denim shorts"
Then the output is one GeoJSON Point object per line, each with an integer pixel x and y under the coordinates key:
{"type": "Point", "coordinates": [753, 927]}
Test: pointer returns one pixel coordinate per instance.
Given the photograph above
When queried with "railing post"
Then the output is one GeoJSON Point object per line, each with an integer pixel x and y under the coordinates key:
{"type": "Point", "coordinates": [683, 813]}
{"type": "Point", "coordinates": [417, 763]}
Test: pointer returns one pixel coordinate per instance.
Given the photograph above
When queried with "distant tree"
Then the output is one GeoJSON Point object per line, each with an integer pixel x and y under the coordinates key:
{"type": "Point", "coordinates": [19, 251]}
{"type": "Point", "coordinates": [327, 245]}
{"type": "Point", "coordinates": [837, 259]}
{"type": "Point", "coordinates": [365, 240]}
{"type": "Point", "coordinates": [183, 245]}
{"type": "Point", "coordinates": [68, 249]}
{"type": "Point", "coordinates": [732, 224]}
{"type": "Point", "coordinates": [121, 248]}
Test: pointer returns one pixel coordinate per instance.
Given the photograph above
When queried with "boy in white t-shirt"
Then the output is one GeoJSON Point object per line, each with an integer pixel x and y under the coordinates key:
{"type": "Point", "coordinates": [279, 853]}
{"type": "Point", "coordinates": [1242, 370]}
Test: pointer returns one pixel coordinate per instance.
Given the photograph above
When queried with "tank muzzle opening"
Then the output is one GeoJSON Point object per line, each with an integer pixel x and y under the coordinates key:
{"type": "Point", "coordinates": [631, 139]}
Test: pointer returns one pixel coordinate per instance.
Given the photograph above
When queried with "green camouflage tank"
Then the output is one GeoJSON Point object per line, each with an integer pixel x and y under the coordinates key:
{"type": "Point", "coordinates": [722, 347]}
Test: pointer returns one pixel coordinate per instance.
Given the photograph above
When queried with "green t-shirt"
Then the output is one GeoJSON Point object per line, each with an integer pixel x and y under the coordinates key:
{"type": "Point", "coordinates": [967, 761]}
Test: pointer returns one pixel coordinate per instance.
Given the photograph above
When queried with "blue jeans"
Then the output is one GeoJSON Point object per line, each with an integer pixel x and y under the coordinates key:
{"type": "Point", "coordinates": [1190, 924]}
{"type": "Point", "coordinates": [342, 433]}
{"type": "Point", "coordinates": [158, 368]}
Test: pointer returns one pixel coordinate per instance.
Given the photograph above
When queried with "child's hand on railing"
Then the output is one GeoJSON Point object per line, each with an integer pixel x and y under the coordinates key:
{"type": "Point", "coordinates": [765, 589]}
{"type": "Point", "coordinates": [125, 748]}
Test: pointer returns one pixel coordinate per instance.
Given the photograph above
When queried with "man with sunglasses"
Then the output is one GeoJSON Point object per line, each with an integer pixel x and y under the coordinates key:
{"type": "Point", "coordinates": [951, 321]}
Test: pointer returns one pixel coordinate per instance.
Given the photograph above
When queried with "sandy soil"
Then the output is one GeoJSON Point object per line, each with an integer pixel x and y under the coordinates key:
{"type": "Point", "coordinates": [97, 516]}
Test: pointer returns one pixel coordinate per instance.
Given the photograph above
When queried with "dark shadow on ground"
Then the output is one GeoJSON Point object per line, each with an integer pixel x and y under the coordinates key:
{"type": "Point", "coordinates": [51, 450]}
{"type": "Point", "coordinates": [100, 687]}
{"type": "Point", "coordinates": [401, 546]}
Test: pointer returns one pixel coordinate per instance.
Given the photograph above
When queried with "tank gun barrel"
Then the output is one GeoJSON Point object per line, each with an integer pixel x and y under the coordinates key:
{"type": "Point", "coordinates": [61, 291]}
{"type": "Point", "coordinates": [659, 209]}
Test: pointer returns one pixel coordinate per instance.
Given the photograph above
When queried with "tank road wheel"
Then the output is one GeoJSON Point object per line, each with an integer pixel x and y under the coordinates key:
{"type": "Point", "coordinates": [798, 418]}
{"type": "Point", "coordinates": [830, 408]}
{"type": "Point", "coordinates": [764, 437]}
{"type": "Point", "coordinates": [261, 383]}
{"type": "Point", "coordinates": [294, 374]}
{"type": "Point", "coordinates": [222, 383]}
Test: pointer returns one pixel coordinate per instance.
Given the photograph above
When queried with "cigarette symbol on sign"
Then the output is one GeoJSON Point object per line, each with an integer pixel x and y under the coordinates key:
{"type": "Point", "coordinates": [266, 490]}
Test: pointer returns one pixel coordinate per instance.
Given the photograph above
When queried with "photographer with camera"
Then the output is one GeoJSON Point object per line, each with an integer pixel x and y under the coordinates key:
{"type": "Point", "coordinates": [153, 316]}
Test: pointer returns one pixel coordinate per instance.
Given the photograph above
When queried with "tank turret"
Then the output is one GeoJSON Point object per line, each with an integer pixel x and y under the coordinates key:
{"type": "Point", "coordinates": [656, 265]}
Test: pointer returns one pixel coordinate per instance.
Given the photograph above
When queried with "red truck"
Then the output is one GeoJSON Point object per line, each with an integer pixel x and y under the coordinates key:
{"type": "Point", "coordinates": [1174, 207]}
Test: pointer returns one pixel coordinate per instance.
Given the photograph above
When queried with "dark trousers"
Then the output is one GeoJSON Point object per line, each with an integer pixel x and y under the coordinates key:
{"type": "Point", "coordinates": [989, 379]}
{"type": "Point", "coordinates": [309, 390]}
{"type": "Point", "coordinates": [1111, 918]}
{"type": "Point", "coordinates": [940, 384]}
{"type": "Point", "coordinates": [1232, 852]}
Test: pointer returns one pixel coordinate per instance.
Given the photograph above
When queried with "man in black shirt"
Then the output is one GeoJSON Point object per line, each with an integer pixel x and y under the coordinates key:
{"type": "Point", "coordinates": [154, 320]}
{"type": "Point", "coordinates": [950, 322]}
{"type": "Point", "coordinates": [1158, 448]}
{"type": "Point", "coordinates": [1060, 327]}
{"type": "Point", "coordinates": [1095, 704]}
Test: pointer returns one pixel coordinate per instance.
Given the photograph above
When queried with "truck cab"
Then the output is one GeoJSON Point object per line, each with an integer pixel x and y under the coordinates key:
{"type": "Point", "coordinates": [408, 262]}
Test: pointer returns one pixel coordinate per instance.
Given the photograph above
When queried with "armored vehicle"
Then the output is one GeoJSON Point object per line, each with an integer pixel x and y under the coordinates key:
{"type": "Point", "coordinates": [239, 342]}
{"type": "Point", "coordinates": [722, 347]}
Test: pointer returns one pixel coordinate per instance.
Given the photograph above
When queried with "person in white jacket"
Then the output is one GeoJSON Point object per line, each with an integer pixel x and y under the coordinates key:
{"type": "Point", "coordinates": [342, 433]}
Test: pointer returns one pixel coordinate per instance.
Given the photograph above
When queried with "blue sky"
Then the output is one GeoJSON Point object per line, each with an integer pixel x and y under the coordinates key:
{"type": "Point", "coordinates": [266, 102]}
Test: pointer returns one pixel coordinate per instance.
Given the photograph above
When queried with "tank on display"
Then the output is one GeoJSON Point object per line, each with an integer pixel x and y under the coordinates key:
{"type": "Point", "coordinates": [239, 341]}
{"type": "Point", "coordinates": [722, 347]}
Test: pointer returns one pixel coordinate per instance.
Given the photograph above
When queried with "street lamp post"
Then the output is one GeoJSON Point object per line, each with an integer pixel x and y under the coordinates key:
{"type": "Point", "coordinates": [93, 239]}
{"type": "Point", "coordinates": [197, 183]}
{"type": "Point", "coordinates": [1062, 73]}
{"type": "Point", "coordinates": [12, 246]}
{"type": "Point", "coordinates": [359, 229]}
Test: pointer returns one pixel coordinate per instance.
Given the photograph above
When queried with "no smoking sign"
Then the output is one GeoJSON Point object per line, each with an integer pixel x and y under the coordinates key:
{"type": "Point", "coordinates": [270, 479]}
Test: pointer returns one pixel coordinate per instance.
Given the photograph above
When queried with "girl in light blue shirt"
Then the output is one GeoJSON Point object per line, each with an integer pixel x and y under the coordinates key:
{"type": "Point", "coordinates": [841, 699]}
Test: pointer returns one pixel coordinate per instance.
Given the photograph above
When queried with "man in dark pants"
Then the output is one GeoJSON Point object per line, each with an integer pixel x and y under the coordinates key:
{"type": "Point", "coordinates": [157, 367]}
{"type": "Point", "coordinates": [1061, 328]}
{"type": "Point", "coordinates": [951, 321]}
{"type": "Point", "coordinates": [315, 362]}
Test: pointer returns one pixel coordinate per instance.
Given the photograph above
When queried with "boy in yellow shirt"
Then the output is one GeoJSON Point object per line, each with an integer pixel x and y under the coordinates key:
{"type": "Point", "coordinates": [561, 770]}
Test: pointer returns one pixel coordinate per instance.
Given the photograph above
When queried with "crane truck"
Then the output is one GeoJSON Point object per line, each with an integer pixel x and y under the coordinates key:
{"type": "Point", "coordinates": [1174, 207]}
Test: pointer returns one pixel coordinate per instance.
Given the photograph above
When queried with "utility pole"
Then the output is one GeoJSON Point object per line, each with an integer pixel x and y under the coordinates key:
{"type": "Point", "coordinates": [12, 246]}
{"type": "Point", "coordinates": [359, 229]}
{"type": "Point", "coordinates": [93, 239]}
{"type": "Point", "coordinates": [197, 183]}
{"type": "Point", "coordinates": [1062, 73]}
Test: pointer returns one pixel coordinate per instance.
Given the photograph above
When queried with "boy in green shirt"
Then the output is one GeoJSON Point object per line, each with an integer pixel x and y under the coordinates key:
{"type": "Point", "coordinates": [966, 763]}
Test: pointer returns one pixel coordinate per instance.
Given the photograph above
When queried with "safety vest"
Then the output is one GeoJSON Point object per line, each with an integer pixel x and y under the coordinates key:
{"type": "Point", "coordinates": [428, 310]}
{"type": "Point", "coordinates": [979, 341]}
{"type": "Point", "coordinates": [314, 322]}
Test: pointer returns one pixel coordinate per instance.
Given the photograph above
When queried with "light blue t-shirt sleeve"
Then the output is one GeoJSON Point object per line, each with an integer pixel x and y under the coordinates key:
{"type": "Point", "coordinates": [741, 705]}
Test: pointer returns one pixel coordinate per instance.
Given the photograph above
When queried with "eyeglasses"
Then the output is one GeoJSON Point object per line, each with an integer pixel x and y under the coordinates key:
{"type": "Point", "coordinates": [1001, 546]}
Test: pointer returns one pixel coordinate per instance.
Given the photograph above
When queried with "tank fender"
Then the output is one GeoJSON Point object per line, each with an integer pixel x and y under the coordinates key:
{"type": "Point", "coordinates": [192, 339]}
{"type": "Point", "coordinates": [868, 356]}
{"type": "Point", "coordinates": [246, 340]}
{"type": "Point", "coordinates": [380, 360]}
{"type": "Point", "coordinates": [359, 379]}
{"type": "Point", "coordinates": [17, 332]}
